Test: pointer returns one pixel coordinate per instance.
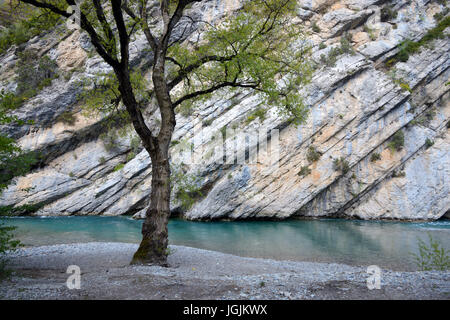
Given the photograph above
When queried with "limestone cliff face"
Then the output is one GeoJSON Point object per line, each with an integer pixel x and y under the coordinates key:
{"type": "Point", "coordinates": [356, 107]}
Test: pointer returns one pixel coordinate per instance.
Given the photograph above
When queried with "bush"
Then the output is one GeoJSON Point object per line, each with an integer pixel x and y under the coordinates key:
{"type": "Point", "coordinates": [315, 27]}
{"type": "Point", "coordinates": [119, 167]}
{"type": "Point", "coordinates": [10, 101]}
{"type": "Point", "coordinates": [23, 30]}
{"type": "Point", "coordinates": [432, 257]}
{"type": "Point", "coordinates": [398, 174]}
{"type": "Point", "coordinates": [313, 155]}
{"type": "Point", "coordinates": [258, 113]}
{"type": "Point", "coordinates": [333, 53]}
{"type": "Point", "coordinates": [375, 156]}
{"type": "Point", "coordinates": [304, 171]}
{"type": "Point", "coordinates": [409, 47]}
{"type": "Point", "coordinates": [341, 165]}
{"type": "Point", "coordinates": [130, 156]}
{"type": "Point", "coordinates": [66, 117]}
{"type": "Point", "coordinates": [7, 244]}
{"type": "Point", "coordinates": [32, 77]}
{"type": "Point", "coordinates": [102, 160]}
{"type": "Point", "coordinates": [397, 142]}
{"type": "Point", "coordinates": [135, 144]}
{"type": "Point", "coordinates": [388, 14]}
{"type": "Point", "coordinates": [441, 15]}
{"type": "Point", "coordinates": [207, 122]}
{"type": "Point", "coordinates": [370, 32]}
{"type": "Point", "coordinates": [187, 187]}
{"type": "Point", "coordinates": [428, 143]}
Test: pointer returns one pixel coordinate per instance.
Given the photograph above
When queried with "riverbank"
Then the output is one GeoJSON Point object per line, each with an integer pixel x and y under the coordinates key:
{"type": "Point", "coordinates": [40, 273]}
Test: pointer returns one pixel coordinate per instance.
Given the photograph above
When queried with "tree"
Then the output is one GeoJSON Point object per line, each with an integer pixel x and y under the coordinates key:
{"type": "Point", "coordinates": [13, 162]}
{"type": "Point", "coordinates": [251, 49]}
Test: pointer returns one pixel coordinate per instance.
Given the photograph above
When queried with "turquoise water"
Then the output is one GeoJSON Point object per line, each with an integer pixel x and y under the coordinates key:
{"type": "Point", "coordinates": [355, 242]}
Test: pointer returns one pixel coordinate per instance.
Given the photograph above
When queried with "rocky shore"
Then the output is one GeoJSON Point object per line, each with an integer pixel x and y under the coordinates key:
{"type": "Point", "coordinates": [40, 273]}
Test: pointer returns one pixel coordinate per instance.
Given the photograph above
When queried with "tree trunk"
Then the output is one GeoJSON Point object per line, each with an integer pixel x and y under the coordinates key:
{"type": "Point", "coordinates": [154, 245]}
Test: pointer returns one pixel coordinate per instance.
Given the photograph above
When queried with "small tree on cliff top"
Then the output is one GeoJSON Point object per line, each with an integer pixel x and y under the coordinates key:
{"type": "Point", "coordinates": [257, 47]}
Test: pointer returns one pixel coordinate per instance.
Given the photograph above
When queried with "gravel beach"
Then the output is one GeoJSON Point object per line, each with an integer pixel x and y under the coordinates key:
{"type": "Point", "coordinates": [40, 273]}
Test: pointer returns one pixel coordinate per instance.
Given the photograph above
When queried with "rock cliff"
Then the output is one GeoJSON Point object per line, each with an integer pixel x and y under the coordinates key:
{"type": "Point", "coordinates": [375, 144]}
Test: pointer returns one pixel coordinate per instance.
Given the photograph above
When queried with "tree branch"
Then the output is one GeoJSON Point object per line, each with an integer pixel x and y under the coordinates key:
{"type": "Point", "coordinates": [185, 71]}
{"type": "Point", "coordinates": [215, 88]}
{"type": "Point", "coordinates": [144, 24]}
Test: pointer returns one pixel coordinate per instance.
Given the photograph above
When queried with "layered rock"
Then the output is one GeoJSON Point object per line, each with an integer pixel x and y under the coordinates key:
{"type": "Point", "coordinates": [356, 107]}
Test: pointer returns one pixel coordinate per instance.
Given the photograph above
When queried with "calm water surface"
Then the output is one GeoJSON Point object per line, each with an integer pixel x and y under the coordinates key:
{"type": "Point", "coordinates": [387, 244]}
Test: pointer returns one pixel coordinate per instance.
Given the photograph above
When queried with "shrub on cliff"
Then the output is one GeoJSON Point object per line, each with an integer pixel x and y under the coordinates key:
{"type": "Point", "coordinates": [397, 142]}
{"type": "Point", "coordinates": [26, 24]}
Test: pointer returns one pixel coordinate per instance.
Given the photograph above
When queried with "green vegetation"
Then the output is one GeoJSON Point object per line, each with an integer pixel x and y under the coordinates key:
{"type": "Point", "coordinates": [135, 144]}
{"type": "Point", "coordinates": [397, 142]}
{"type": "Point", "coordinates": [322, 46]}
{"type": "Point", "coordinates": [404, 86]}
{"type": "Point", "coordinates": [115, 130]}
{"type": "Point", "coordinates": [313, 155]}
{"type": "Point", "coordinates": [7, 244]}
{"type": "Point", "coordinates": [399, 81]}
{"type": "Point", "coordinates": [187, 187]}
{"type": "Point", "coordinates": [102, 160]}
{"type": "Point", "coordinates": [31, 78]}
{"type": "Point", "coordinates": [409, 47]}
{"type": "Point", "coordinates": [13, 161]}
{"type": "Point", "coordinates": [119, 167]}
{"type": "Point", "coordinates": [207, 123]}
{"type": "Point", "coordinates": [66, 117]}
{"type": "Point", "coordinates": [425, 118]}
{"type": "Point", "coordinates": [315, 27]}
{"type": "Point", "coordinates": [428, 143]}
{"type": "Point", "coordinates": [304, 171]}
{"type": "Point", "coordinates": [130, 156]}
{"type": "Point", "coordinates": [185, 109]}
{"type": "Point", "coordinates": [341, 165]}
{"type": "Point", "coordinates": [399, 173]}
{"type": "Point", "coordinates": [258, 113]}
{"type": "Point", "coordinates": [31, 24]}
{"type": "Point", "coordinates": [441, 15]}
{"type": "Point", "coordinates": [375, 157]}
{"type": "Point", "coordinates": [223, 131]}
{"type": "Point", "coordinates": [388, 14]}
{"type": "Point", "coordinates": [344, 48]}
{"type": "Point", "coordinates": [25, 209]}
{"type": "Point", "coordinates": [432, 256]}
{"type": "Point", "coordinates": [370, 32]}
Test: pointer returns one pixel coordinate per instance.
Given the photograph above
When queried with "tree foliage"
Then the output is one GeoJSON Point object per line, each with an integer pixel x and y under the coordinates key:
{"type": "Point", "coordinates": [258, 48]}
